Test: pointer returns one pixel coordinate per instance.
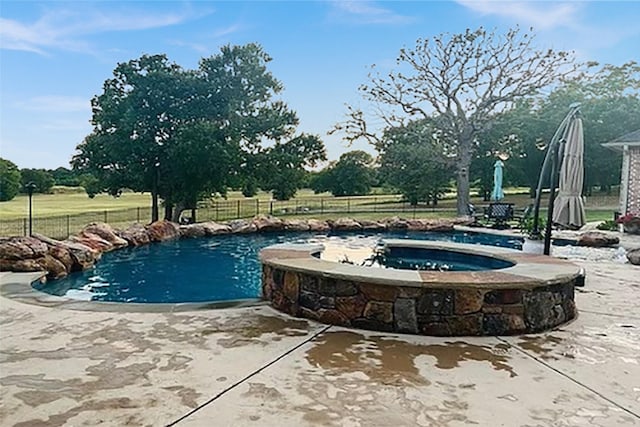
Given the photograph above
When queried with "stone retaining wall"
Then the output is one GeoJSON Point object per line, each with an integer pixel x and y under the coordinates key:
{"type": "Point", "coordinates": [431, 309]}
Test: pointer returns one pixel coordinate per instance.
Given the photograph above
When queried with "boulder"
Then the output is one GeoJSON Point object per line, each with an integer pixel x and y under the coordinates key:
{"type": "Point", "coordinates": [93, 241]}
{"type": "Point", "coordinates": [54, 268]}
{"type": "Point", "coordinates": [63, 255]}
{"type": "Point", "coordinates": [346, 224]}
{"type": "Point", "coordinates": [135, 235]}
{"type": "Point", "coordinates": [633, 255]}
{"type": "Point", "coordinates": [596, 239]}
{"type": "Point", "coordinates": [396, 223]}
{"type": "Point", "coordinates": [214, 228]}
{"type": "Point", "coordinates": [106, 232]}
{"type": "Point", "coordinates": [193, 230]}
{"type": "Point", "coordinates": [17, 248]}
{"type": "Point", "coordinates": [296, 225]}
{"type": "Point", "coordinates": [318, 226]}
{"type": "Point", "coordinates": [430, 224]}
{"type": "Point", "coordinates": [372, 225]}
{"type": "Point", "coordinates": [242, 226]}
{"type": "Point", "coordinates": [20, 265]}
{"type": "Point", "coordinates": [267, 223]}
{"type": "Point", "coordinates": [163, 230]}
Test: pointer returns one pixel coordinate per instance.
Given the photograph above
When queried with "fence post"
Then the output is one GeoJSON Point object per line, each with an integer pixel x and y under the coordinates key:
{"type": "Point", "coordinates": [257, 206]}
{"type": "Point", "coordinates": [24, 226]}
{"type": "Point", "coordinates": [348, 205]}
{"type": "Point", "coordinates": [138, 214]}
{"type": "Point", "coordinates": [270, 207]}
{"type": "Point", "coordinates": [295, 212]}
{"type": "Point", "coordinates": [375, 203]}
{"type": "Point", "coordinates": [321, 206]}
{"type": "Point", "coordinates": [105, 216]}
{"type": "Point", "coordinates": [216, 202]}
{"type": "Point", "coordinates": [68, 225]}
{"type": "Point", "coordinates": [238, 210]}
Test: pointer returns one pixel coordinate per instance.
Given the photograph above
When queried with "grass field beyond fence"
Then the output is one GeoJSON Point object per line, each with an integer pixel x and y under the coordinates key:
{"type": "Point", "coordinates": [120, 212]}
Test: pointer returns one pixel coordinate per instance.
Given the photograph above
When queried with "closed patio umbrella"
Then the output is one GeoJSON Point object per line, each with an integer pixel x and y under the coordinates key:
{"type": "Point", "coordinates": [568, 210]}
{"type": "Point", "coordinates": [497, 193]}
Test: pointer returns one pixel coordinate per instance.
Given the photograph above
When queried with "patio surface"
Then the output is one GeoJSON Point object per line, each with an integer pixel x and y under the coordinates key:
{"type": "Point", "coordinates": [255, 367]}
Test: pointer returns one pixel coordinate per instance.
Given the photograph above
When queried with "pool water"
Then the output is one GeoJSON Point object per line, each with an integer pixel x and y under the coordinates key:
{"type": "Point", "coordinates": [212, 269]}
{"type": "Point", "coordinates": [427, 259]}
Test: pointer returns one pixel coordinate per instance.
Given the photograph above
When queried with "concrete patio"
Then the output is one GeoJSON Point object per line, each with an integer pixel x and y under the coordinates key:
{"type": "Point", "coordinates": [255, 367]}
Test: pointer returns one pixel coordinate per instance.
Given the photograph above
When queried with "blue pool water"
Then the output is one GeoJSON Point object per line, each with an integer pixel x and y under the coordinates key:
{"type": "Point", "coordinates": [208, 269]}
{"type": "Point", "coordinates": [437, 260]}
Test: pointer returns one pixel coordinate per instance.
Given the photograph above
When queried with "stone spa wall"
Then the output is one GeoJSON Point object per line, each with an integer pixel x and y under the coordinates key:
{"type": "Point", "coordinates": [436, 303]}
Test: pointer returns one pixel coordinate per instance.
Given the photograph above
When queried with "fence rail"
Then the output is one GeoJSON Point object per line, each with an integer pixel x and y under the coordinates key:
{"type": "Point", "coordinates": [221, 210]}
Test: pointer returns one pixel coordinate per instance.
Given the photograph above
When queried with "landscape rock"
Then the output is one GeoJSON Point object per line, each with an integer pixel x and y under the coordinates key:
{"type": "Point", "coordinates": [193, 230]}
{"type": "Point", "coordinates": [83, 256]}
{"type": "Point", "coordinates": [241, 226]}
{"type": "Point", "coordinates": [106, 232]}
{"type": "Point", "coordinates": [135, 235]}
{"type": "Point", "coordinates": [296, 225]}
{"type": "Point", "coordinates": [163, 230]}
{"type": "Point", "coordinates": [20, 265]}
{"type": "Point", "coordinates": [317, 225]}
{"type": "Point", "coordinates": [346, 224]}
{"type": "Point", "coordinates": [372, 225]}
{"type": "Point", "coordinates": [267, 223]}
{"type": "Point", "coordinates": [396, 223]}
{"type": "Point", "coordinates": [633, 255]}
{"type": "Point", "coordinates": [596, 239]}
{"type": "Point", "coordinates": [63, 255]}
{"type": "Point", "coordinates": [214, 228]}
{"type": "Point", "coordinates": [91, 240]}
{"type": "Point", "coordinates": [54, 268]}
{"type": "Point", "coordinates": [17, 248]}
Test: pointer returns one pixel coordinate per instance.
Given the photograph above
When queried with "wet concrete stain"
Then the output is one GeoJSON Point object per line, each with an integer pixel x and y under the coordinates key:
{"type": "Point", "coordinates": [61, 419]}
{"type": "Point", "coordinates": [393, 361]}
{"type": "Point", "coordinates": [542, 345]}
{"type": "Point", "coordinates": [188, 396]}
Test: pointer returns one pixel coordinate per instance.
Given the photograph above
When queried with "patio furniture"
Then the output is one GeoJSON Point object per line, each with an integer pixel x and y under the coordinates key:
{"type": "Point", "coordinates": [500, 214]}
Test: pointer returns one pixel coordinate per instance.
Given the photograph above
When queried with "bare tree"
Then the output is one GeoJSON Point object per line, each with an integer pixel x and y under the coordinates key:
{"type": "Point", "coordinates": [462, 81]}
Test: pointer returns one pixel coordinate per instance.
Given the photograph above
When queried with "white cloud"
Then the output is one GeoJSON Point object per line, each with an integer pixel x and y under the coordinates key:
{"type": "Point", "coordinates": [55, 104]}
{"type": "Point", "coordinates": [540, 15]}
{"type": "Point", "coordinates": [366, 12]}
{"type": "Point", "coordinates": [63, 29]}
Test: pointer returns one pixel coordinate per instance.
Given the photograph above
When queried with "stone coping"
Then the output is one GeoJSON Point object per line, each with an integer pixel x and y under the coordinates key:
{"type": "Point", "coordinates": [529, 270]}
{"type": "Point", "coordinates": [17, 286]}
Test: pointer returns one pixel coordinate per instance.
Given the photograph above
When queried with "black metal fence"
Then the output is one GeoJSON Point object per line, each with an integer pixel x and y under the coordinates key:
{"type": "Point", "coordinates": [64, 225]}
{"type": "Point", "coordinates": [221, 210]}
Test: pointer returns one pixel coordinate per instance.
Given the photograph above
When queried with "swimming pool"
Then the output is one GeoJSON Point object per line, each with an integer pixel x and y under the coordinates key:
{"type": "Point", "coordinates": [212, 269]}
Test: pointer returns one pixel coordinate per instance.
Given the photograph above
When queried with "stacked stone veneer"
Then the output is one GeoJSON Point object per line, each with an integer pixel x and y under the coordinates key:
{"type": "Point", "coordinates": [633, 195]}
{"type": "Point", "coordinates": [427, 310]}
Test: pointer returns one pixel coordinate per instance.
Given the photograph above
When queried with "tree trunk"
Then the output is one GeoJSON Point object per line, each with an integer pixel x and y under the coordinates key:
{"type": "Point", "coordinates": [465, 148]}
{"type": "Point", "coordinates": [154, 206]}
{"type": "Point", "coordinates": [193, 215]}
{"type": "Point", "coordinates": [168, 211]}
{"type": "Point", "coordinates": [177, 211]}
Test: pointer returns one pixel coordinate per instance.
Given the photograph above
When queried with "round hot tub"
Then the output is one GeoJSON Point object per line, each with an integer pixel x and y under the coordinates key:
{"type": "Point", "coordinates": [496, 292]}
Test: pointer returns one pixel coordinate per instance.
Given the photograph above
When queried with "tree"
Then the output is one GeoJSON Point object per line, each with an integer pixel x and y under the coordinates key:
{"type": "Point", "coordinates": [351, 175]}
{"type": "Point", "coordinates": [282, 166]}
{"type": "Point", "coordinates": [610, 107]}
{"type": "Point", "coordinates": [461, 80]}
{"type": "Point", "coordinates": [412, 160]}
{"type": "Point", "coordinates": [64, 176]}
{"type": "Point", "coordinates": [40, 177]}
{"type": "Point", "coordinates": [184, 134]}
{"type": "Point", "coordinates": [10, 180]}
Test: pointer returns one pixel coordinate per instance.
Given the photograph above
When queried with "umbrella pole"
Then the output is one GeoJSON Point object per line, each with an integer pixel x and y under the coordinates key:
{"type": "Point", "coordinates": [545, 165]}
{"type": "Point", "coordinates": [552, 198]}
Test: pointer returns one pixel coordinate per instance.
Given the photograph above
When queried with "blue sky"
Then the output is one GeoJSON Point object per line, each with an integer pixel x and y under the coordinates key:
{"type": "Point", "coordinates": [55, 56]}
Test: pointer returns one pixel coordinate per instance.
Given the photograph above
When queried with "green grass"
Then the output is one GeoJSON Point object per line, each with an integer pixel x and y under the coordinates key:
{"type": "Point", "coordinates": [47, 205]}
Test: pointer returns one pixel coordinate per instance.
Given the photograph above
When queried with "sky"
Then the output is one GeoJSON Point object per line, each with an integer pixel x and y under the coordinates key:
{"type": "Point", "coordinates": [55, 55]}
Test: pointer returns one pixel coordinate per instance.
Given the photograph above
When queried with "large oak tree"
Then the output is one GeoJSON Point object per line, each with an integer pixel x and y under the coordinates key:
{"type": "Point", "coordinates": [461, 80]}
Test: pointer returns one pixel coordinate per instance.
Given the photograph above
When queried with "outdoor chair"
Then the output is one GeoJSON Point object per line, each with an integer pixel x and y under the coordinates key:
{"type": "Point", "coordinates": [500, 214]}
